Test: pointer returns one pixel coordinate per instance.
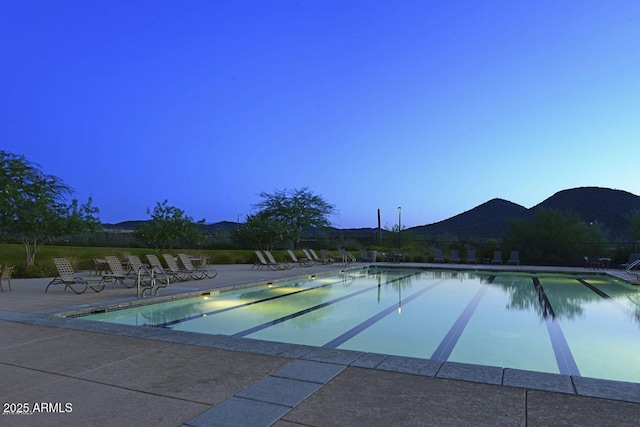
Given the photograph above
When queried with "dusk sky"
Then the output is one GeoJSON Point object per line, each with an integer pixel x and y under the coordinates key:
{"type": "Point", "coordinates": [434, 106]}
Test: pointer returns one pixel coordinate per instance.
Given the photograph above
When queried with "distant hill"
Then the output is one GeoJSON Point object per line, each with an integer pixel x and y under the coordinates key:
{"type": "Point", "coordinates": [606, 206]}
{"type": "Point", "coordinates": [611, 208]}
{"type": "Point", "coordinates": [486, 220]}
{"type": "Point", "coordinates": [132, 225]}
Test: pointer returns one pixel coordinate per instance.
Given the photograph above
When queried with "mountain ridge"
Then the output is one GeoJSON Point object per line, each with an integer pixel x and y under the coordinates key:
{"type": "Point", "coordinates": [609, 207]}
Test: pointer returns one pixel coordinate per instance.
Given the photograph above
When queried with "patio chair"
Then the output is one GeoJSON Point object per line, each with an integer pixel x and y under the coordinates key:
{"type": "Point", "coordinates": [317, 259]}
{"type": "Point", "coordinates": [100, 266]}
{"type": "Point", "coordinates": [262, 262]}
{"type": "Point", "coordinates": [437, 256]}
{"type": "Point", "coordinates": [633, 257]}
{"type": "Point", "coordinates": [139, 269]}
{"type": "Point", "coordinates": [276, 264]}
{"type": "Point", "coordinates": [181, 273]}
{"type": "Point", "coordinates": [497, 257]}
{"type": "Point", "coordinates": [6, 275]}
{"type": "Point", "coordinates": [514, 258]}
{"type": "Point", "coordinates": [135, 263]}
{"type": "Point", "coordinates": [471, 257]}
{"type": "Point", "coordinates": [592, 262]}
{"type": "Point", "coordinates": [455, 257]}
{"type": "Point", "coordinates": [202, 272]}
{"type": "Point", "coordinates": [67, 277]}
{"type": "Point", "coordinates": [148, 276]}
{"type": "Point", "coordinates": [303, 262]}
{"type": "Point", "coordinates": [158, 268]}
{"type": "Point", "coordinates": [117, 273]}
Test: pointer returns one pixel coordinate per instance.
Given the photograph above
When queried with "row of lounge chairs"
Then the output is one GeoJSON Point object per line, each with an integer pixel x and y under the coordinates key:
{"type": "Point", "coordinates": [514, 257]}
{"type": "Point", "coordinates": [151, 276]}
{"type": "Point", "coordinates": [267, 260]}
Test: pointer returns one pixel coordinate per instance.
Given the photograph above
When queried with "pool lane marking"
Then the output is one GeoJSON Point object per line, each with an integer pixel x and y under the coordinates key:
{"type": "Point", "coordinates": [222, 310]}
{"type": "Point", "coordinates": [338, 341]}
{"type": "Point", "coordinates": [314, 308]}
{"type": "Point", "coordinates": [450, 340]}
{"type": "Point", "coordinates": [564, 357]}
{"type": "Point", "coordinates": [610, 299]}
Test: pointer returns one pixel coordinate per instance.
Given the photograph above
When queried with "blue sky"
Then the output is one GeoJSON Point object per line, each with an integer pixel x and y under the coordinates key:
{"type": "Point", "coordinates": [433, 106]}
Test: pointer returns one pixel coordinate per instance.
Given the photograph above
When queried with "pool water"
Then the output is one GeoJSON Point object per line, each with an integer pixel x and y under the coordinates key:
{"type": "Point", "coordinates": [586, 325]}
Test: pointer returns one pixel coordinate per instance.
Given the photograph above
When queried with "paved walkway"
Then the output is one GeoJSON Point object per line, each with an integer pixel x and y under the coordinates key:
{"type": "Point", "coordinates": [72, 372]}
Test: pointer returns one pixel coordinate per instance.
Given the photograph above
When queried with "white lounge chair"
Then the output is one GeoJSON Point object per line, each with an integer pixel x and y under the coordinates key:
{"type": "Point", "coordinates": [67, 277]}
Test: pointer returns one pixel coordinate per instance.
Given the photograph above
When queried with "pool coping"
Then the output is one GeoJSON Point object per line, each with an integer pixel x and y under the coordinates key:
{"type": "Point", "coordinates": [573, 385]}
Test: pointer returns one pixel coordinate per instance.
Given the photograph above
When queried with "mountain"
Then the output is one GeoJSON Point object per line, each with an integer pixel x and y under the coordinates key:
{"type": "Point", "coordinates": [608, 207]}
{"type": "Point", "coordinates": [132, 225]}
{"type": "Point", "coordinates": [486, 220]}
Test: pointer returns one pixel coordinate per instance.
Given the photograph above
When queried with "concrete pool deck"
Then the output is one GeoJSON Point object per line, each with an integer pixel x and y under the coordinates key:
{"type": "Point", "coordinates": [74, 372]}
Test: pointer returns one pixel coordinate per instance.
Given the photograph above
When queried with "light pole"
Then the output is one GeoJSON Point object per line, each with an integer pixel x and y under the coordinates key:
{"type": "Point", "coordinates": [399, 226]}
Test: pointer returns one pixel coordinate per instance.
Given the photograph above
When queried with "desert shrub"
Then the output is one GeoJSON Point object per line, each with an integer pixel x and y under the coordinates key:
{"type": "Point", "coordinates": [221, 258]}
{"type": "Point", "coordinates": [418, 258]}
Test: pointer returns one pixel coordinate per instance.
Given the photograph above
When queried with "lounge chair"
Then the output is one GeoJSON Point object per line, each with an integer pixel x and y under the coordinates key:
{"type": "Point", "coordinates": [157, 269]}
{"type": "Point", "coordinates": [165, 273]}
{"type": "Point", "coordinates": [497, 257]}
{"type": "Point", "coordinates": [139, 270]}
{"type": "Point", "coordinates": [116, 273]}
{"type": "Point", "coordinates": [261, 263]}
{"type": "Point", "coordinates": [303, 262]}
{"type": "Point", "coordinates": [514, 258]}
{"type": "Point", "coordinates": [633, 257]}
{"type": "Point", "coordinates": [437, 257]}
{"type": "Point", "coordinates": [316, 258]}
{"type": "Point", "coordinates": [201, 272]}
{"type": "Point", "coordinates": [455, 257]}
{"type": "Point", "coordinates": [180, 273]}
{"type": "Point", "coordinates": [6, 275]}
{"type": "Point", "coordinates": [471, 257]}
{"type": "Point", "coordinates": [276, 264]}
{"type": "Point", "coordinates": [150, 279]}
{"type": "Point", "coordinates": [135, 263]}
{"type": "Point", "coordinates": [67, 277]}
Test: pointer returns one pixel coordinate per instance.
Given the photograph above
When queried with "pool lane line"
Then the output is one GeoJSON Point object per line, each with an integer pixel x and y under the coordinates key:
{"type": "Point", "coordinates": [338, 341]}
{"type": "Point", "coordinates": [564, 358]}
{"type": "Point", "coordinates": [314, 308]}
{"type": "Point", "coordinates": [448, 343]}
{"type": "Point", "coordinates": [222, 310]}
{"type": "Point", "coordinates": [611, 300]}
{"type": "Point", "coordinates": [543, 300]}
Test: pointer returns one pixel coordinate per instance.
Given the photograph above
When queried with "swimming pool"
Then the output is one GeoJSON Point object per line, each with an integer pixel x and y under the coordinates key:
{"type": "Point", "coordinates": [580, 325]}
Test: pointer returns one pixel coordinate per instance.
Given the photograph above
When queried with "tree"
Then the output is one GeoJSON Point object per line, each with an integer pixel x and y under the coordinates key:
{"type": "Point", "coordinates": [34, 208]}
{"type": "Point", "coordinates": [555, 236]}
{"type": "Point", "coordinates": [295, 210]}
{"type": "Point", "coordinates": [169, 226]}
{"type": "Point", "coordinates": [261, 231]}
{"type": "Point", "coordinates": [634, 224]}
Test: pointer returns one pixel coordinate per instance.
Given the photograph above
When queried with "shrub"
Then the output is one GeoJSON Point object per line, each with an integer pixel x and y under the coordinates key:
{"type": "Point", "coordinates": [418, 258]}
{"type": "Point", "coordinates": [221, 258]}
